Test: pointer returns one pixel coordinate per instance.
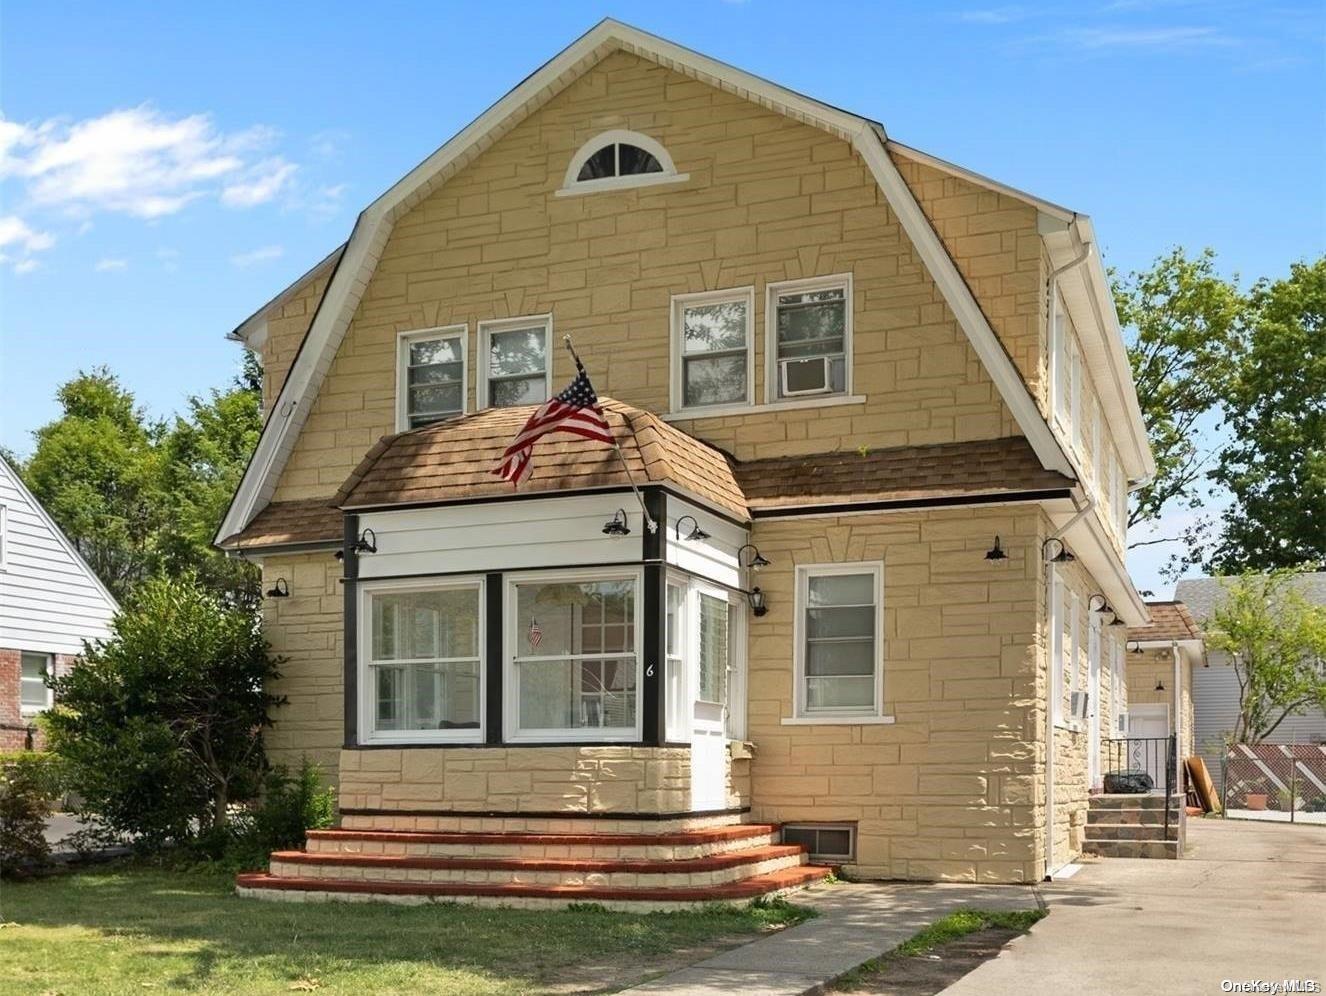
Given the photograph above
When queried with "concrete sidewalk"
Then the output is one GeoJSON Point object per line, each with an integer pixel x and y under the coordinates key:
{"type": "Point", "coordinates": [857, 922]}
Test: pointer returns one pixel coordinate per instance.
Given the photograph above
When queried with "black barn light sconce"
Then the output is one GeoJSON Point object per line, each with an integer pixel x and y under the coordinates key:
{"type": "Point", "coordinates": [1099, 604]}
{"type": "Point", "coordinates": [758, 605]}
{"type": "Point", "coordinates": [1160, 684]}
{"type": "Point", "coordinates": [755, 562]}
{"type": "Point", "coordinates": [617, 525]}
{"type": "Point", "coordinates": [696, 532]}
{"type": "Point", "coordinates": [1055, 552]}
{"type": "Point", "coordinates": [1135, 647]}
{"type": "Point", "coordinates": [996, 554]}
{"type": "Point", "coordinates": [367, 542]}
{"type": "Point", "coordinates": [281, 589]}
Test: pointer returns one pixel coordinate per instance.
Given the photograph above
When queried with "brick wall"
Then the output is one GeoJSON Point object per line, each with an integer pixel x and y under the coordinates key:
{"type": "Point", "coordinates": [15, 727]}
{"type": "Point", "coordinates": [769, 199]}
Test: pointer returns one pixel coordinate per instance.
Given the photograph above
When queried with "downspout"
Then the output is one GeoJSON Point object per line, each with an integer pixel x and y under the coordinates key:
{"type": "Point", "coordinates": [1050, 576]}
{"type": "Point", "coordinates": [1178, 718]}
{"type": "Point", "coordinates": [1052, 281]}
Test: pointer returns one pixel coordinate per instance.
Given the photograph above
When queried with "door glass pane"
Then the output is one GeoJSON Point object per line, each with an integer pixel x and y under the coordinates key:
{"type": "Point", "coordinates": [713, 648]}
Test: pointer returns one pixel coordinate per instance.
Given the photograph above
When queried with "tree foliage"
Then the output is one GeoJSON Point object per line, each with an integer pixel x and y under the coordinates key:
{"type": "Point", "coordinates": [1274, 466]}
{"type": "Point", "coordinates": [1184, 319]}
{"type": "Point", "coordinates": [161, 725]}
{"type": "Point", "coordinates": [141, 498]}
{"type": "Point", "coordinates": [1276, 640]}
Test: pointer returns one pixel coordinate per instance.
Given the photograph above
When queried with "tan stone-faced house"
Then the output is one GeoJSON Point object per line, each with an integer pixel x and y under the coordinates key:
{"type": "Point", "coordinates": [880, 411]}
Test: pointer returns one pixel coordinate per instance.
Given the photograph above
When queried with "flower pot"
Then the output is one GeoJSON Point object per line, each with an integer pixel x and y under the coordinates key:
{"type": "Point", "coordinates": [1256, 800]}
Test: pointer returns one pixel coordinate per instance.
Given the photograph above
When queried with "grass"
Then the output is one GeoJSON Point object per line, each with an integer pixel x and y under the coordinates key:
{"type": "Point", "coordinates": [950, 928]}
{"type": "Point", "coordinates": [136, 929]}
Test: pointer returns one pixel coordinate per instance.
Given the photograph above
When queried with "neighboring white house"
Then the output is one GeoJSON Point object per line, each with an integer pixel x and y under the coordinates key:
{"type": "Point", "coordinates": [1215, 687]}
{"type": "Point", "coordinates": [50, 602]}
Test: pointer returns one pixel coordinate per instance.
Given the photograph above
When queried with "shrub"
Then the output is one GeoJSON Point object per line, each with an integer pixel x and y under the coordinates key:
{"type": "Point", "coordinates": [161, 725]}
{"type": "Point", "coordinates": [290, 805]}
{"type": "Point", "coordinates": [28, 787]}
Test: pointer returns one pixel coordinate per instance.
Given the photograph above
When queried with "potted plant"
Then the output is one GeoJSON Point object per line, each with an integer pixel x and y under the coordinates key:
{"type": "Point", "coordinates": [1255, 800]}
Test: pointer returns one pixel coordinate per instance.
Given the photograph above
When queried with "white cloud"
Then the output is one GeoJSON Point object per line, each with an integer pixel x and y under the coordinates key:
{"type": "Point", "coordinates": [138, 161]}
{"type": "Point", "coordinates": [20, 242]}
{"type": "Point", "coordinates": [262, 183]}
{"type": "Point", "coordinates": [261, 255]}
{"type": "Point", "coordinates": [109, 265]}
{"type": "Point", "coordinates": [1146, 38]}
{"type": "Point", "coordinates": [328, 144]}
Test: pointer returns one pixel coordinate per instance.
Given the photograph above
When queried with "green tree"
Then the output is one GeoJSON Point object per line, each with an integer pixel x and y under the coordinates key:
{"type": "Point", "coordinates": [160, 727]}
{"type": "Point", "coordinates": [1276, 640]}
{"type": "Point", "coordinates": [96, 470]}
{"type": "Point", "coordinates": [1275, 464]}
{"type": "Point", "coordinates": [1184, 319]}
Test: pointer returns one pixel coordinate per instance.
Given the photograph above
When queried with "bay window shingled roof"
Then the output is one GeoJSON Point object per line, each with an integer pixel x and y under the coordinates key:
{"type": "Point", "coordinates": [453, 460]}
{"type": "Point", "coordinates": [290, 523]}
{"type": "Point", "coordinates": [1169, 621]}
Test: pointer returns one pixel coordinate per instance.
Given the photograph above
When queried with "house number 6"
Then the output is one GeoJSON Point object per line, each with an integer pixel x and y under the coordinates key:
{"type": "Point", "coordinates": [649, 671]}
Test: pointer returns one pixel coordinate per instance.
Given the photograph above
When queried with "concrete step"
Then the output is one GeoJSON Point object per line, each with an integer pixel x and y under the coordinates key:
{"type": "Point", "coordinates": [638, 899]}
{"type": "Point", "coordinates": [680, 845]}
{"type": "Point", "coordinates": [570, 823]}
{"type": "Point", "coordinates": [1132, 831]}
{"type": "Point", "coordinates": [713, 870]}
{"type": "Point", "coordinates": [1131, 848]}
{"type": "Point", "coordinates": [1105, 801]}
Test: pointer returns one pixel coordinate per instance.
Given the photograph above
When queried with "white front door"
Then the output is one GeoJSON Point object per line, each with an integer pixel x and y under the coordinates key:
{"type": "Point", "coordinates": [1148, 722]}
{"type": "Point", "coordinates": [711, 643]}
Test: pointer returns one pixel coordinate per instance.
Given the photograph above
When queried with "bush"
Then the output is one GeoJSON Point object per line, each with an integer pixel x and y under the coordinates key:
{"type": "Point", "coordinates": [161, 725]}
{"type": "Point", "coordinates": [29, 784]}
{"type": "Point", "coordinates": [290, 805]}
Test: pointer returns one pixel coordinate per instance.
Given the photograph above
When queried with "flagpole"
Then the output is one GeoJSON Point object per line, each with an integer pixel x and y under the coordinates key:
{"type": "Point", "coordinates": [650, 524]}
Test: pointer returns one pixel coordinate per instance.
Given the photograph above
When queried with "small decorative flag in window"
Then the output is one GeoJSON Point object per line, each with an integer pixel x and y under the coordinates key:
{"type": "Point", "coordinates": [535, 635]}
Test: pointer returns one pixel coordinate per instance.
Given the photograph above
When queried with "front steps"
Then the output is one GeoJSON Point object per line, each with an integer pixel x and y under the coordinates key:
{"type": "Point", "coordinates": [1133, 826]}
{"type": "Point", "coordinates": [633, 865]}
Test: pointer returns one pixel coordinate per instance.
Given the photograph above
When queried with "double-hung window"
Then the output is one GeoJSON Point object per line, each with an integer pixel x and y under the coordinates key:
{"type": "Point", "coordinates": [430, 376]}
{"type": "Point", "coordinates": [810, 337]}
{"type": "Point", "coordinates": [575, 657]}
{"type": "Point", "coordinates": [711, 348]}
{"type": "Point", "coordinates": [421, 673]}
{"type": "Point", "coordinates": [34, 694]}
{"type": "Point", "coordinates": [839, 640]}
{"type": "Point", "coordinates": [517, 362]}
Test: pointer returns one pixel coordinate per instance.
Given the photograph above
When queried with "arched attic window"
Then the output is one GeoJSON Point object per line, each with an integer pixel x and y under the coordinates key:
{"type": "Point", "coordinates": [617, 159]}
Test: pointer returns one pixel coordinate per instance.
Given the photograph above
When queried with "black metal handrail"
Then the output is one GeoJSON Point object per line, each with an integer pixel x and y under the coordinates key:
{"type": "Point", "coordinates": [1144, 754]}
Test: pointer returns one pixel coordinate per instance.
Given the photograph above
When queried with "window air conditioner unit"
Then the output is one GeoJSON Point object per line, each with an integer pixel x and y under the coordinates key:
{"type": "Point", "coordinates": [804, 375]}
{"type": "Point", "coordinates": [1077, 705]}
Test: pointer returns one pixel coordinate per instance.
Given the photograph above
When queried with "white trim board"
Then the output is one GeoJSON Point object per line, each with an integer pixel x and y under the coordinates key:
{"type": "Point", "coordinates": [359, 259]}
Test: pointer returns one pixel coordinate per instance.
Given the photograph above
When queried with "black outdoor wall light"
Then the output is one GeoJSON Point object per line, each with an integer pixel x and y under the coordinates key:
{"type": "Point", "coordinates": [758, 605]}
{"type": "Point", "coordinates": [1061, 554]}
{"type": "Point", "coordinates": [367, 542]}
{"type": "Point", "coordinates": [996, 553]}
{"type": "Point", "coordinates": [281, 589]}
{"type": "Point", "coordinates": [755, 562]}
{"type": "Point", "coordinates": [1098, 603]}
{"type": "Point", "coordinates": [696, 532]}
{"type": "Point", "coordinates": [617, 525]}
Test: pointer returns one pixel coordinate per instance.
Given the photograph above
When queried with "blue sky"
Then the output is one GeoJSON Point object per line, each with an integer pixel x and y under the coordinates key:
{"type": "Point", "coordinates": [165, 168]}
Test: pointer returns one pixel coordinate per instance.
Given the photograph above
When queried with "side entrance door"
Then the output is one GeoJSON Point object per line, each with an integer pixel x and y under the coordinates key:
{"type": "Point", "coordinates": [1148, 724]}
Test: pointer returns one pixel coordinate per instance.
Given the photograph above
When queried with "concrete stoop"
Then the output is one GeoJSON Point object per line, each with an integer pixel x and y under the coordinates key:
{"type": "Point", "coordinates": [1133, 826]}
{"type": "Point", "coordinates": [649, 868]}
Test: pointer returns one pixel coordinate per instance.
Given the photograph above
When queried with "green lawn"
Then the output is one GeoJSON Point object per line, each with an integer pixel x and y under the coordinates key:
{"type": "Point", "coordinates": [130, 929]}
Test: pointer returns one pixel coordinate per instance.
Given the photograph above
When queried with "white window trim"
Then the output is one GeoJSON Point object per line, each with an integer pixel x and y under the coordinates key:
{"type": "Point", "coordinates": [824, 401]}
{"type": "Point", "coordinates": [48, 669]}
{"type": "Point", "coordinates": [486, 330]}
{"type": "Point", "coordinates": [800, 716]}
{"type": "Point", "coordinates": [571, 187]}
{"type": "Point", "coordinates": [1055, 650]}
{"type": "Point", "coordinates": [771, 292]}
{"type": "Point", "coordinates": [403, 342]}
{"type": "Point", "coordinates": [680, 302]}
{"type": "Point", "coordinates": [512, 733]}
{"type": "Point", "coordinates": [1074, 642]}
{"type": "Point", "coordinates": [367, 690]}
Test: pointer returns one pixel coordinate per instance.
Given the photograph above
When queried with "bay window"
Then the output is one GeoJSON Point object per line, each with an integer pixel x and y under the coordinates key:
{"type": "Point", "coordinates": [575, 657]}
{"type": "Point", "coordinates": [810, 323]}
{"type": "Point", "coordinates": [421, 676]}
{"type": "Point", "coordinates": [839, 641]}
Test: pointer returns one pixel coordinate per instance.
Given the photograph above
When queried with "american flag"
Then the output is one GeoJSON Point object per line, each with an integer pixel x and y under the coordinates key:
{"type": "Point", "coordinates": [576, 410]}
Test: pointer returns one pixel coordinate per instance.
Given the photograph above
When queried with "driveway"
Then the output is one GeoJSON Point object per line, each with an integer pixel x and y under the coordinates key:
{"type": "Point", "coordinates": [1248, 902]}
